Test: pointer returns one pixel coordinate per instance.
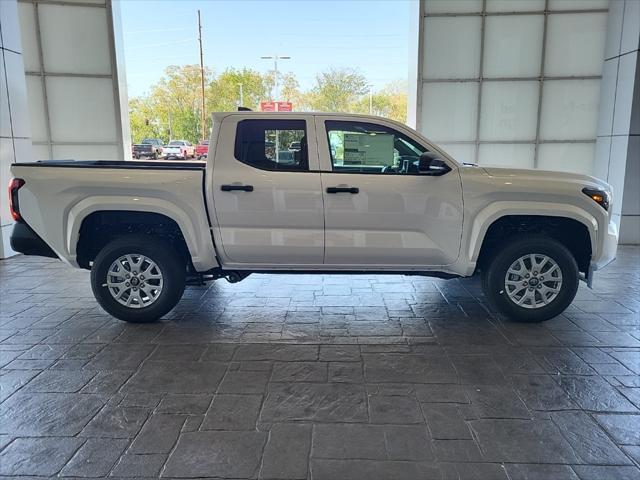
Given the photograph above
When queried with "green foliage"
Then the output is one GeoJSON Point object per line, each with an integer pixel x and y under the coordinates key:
{"type": "Point", "coordinates": [337, 90]}
{"type": "Point", "coordinates": [390, 102]}
{"type": "Point", "coordinates": [171, 110]}
{"type": "Point", "coordinates": [288, 87]}
{"type": "Point", "coordinates": [223, 93]}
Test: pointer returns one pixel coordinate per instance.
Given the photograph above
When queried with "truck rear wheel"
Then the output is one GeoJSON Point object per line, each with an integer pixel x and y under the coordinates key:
{"type": "Point", "coordinates": [138, 278]}
{"type": "Point", "coordinates": [531, 280]}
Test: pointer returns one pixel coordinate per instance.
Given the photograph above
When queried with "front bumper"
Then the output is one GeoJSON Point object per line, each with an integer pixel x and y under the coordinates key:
{"type": "Point", "coordinates": [607, 251]}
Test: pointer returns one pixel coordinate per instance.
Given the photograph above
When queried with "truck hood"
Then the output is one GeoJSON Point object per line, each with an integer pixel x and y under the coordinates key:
{"type": "Point", "coordinates": [542, 175]}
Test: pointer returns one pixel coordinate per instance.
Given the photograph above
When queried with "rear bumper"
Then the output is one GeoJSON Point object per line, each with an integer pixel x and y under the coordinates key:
{"type": "Point", "coordinates": [24, 240]}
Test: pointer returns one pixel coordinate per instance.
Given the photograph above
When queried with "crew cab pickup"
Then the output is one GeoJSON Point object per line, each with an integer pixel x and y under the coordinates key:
{"type": "Point", "coordinates": [149, 147]}
{"type": "Point", "coordinates": [361, 195]}
{"type": "Point", "coordinates": [180, 149]}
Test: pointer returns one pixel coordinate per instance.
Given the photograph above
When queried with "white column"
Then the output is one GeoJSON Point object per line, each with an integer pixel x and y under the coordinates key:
{"type": "Point", "coordinates": [76, 87]}
{"type": "Point", "coordinates": [62, 87]}
{"type": "Point", "coordinates": [15, 132]}
{"type": "Point", "coordinates": [618, 142]}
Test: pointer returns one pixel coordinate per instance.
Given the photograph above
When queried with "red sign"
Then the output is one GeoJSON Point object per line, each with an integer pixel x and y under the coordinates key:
{"type": "Point", "coordinates": [276, 106]}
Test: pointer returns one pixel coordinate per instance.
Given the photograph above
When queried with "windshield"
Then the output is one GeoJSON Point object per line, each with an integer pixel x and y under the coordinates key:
{"type": "Point", "coordinates": [176, 142]}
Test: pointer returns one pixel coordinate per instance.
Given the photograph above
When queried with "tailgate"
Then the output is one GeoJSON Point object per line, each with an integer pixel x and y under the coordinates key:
{"type": "Point", "coordinates": [143, 147]}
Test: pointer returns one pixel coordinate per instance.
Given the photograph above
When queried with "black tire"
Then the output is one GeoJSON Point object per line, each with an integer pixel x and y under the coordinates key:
{"type": "Point", "coordinates": [168, 261]}
{"type": "Point", "coordinates": [494, 278]}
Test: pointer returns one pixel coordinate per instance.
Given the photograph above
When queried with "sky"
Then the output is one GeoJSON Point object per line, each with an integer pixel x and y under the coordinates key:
{"type": "Point", "coordinates": [369, 35]}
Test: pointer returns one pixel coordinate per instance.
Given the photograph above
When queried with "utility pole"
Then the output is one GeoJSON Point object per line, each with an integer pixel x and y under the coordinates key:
{"type": "Point", "coordinates": [202, 112]}
{"type": "Point", "coordinates": [241, 96]}
{"type": "Point", "coordinates": [370, 101]}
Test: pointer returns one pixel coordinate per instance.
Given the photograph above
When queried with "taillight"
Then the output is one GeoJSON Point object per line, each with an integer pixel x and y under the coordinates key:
{"type": "Point", "coordinates": [14, 207]}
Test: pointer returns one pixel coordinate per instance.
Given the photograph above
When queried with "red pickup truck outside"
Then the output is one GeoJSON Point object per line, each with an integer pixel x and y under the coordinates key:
{"type": "Point", "coordinates": [202, 149]}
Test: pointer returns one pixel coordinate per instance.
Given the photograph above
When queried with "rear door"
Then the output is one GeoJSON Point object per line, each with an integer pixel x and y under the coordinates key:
{"type": "Point", "coordinates": [382, 209]}
{"type": "Point", "coordinates": [267, 199]}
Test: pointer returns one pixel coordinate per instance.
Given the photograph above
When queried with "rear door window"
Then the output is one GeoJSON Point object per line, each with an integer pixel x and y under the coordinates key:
{"type": "Point", "coordinates": [266, 144]}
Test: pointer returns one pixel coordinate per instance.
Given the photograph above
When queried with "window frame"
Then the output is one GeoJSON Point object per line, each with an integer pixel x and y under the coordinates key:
{"type": "Point", "coordinates": [285, 168]}
{"type": "Point", "coordinates": [391, 129]}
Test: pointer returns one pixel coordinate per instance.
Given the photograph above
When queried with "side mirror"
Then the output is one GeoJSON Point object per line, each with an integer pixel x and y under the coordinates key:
{"type": "Point", "coordinates": [431, 164]}
{"type": "Point", "coordinates": [425, 162]}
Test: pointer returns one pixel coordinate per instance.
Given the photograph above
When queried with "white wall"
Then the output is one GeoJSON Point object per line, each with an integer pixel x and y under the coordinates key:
{"type": "Point", "coordinates": [618, 145]}
{"type": "Point", "coordinates": [551, 84]}
{"type": "Point", "coordinates": [74, 79]}
{"type": "Point", "coordinates": [62, 86]}
{"type": "Point", "coordinates": [15, 132]}
{"type": "Point", "coordinates": [510, 82]}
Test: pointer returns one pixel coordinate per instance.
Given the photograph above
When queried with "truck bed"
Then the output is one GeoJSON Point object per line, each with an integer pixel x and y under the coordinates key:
{"type": "Point", "coordinates": [59, 194]}
{"type": "Point", "coordinates": [126, 164]}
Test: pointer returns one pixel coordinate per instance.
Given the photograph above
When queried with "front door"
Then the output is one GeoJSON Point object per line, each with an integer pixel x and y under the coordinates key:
{"type": "Point", "coordinates": [267, 193]}
{"type": "Point", "coordinates": [386, 204]}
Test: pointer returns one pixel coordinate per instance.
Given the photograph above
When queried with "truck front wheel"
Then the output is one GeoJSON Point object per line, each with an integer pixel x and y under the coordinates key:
{"type": "Point", "coordinates": [138, 278]}
{"type": "Point", "coordinates": [531, 280]}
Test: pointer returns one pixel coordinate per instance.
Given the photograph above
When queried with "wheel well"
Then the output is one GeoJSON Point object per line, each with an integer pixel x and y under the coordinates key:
{"type": "Point", "coordinates": [100, 228]}
{"type": "Point", "coordinates": [571, 233]}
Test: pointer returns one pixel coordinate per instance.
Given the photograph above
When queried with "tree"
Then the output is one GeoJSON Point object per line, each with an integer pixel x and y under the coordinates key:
{"type": "Point", "coordinates": [171, 109]}
{"type": "Point", "coordinates": [390, 102]}
{"type": "Point", "coordinates": [288, 87]}
{"type": "Point", "coordinates": [177, 99]}
{"type": "Point", "coordinates": [143, 118]}
{"type": "Point", "coordinates": [336, 90]}
{"type": "Point", "coordinates": [223, 93]}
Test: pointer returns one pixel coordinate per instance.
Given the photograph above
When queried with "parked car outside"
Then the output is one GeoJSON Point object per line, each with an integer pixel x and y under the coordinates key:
{"type": "Point", "coordinates": [179, 149]}
{"type": "Point", "coordinates": [149, 148]}
{"type": "Point", "coordinates": [202, 149]}
{"type": "Point", "coordinates": [295, 146]}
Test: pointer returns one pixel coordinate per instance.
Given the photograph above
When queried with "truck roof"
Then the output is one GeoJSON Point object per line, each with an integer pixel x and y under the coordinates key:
{"type": "Point", "coordinates": [245, 113]}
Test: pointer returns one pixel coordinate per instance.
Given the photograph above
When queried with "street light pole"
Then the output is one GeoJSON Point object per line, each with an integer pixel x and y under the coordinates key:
{"type": "Point", "coordinates": [370, 101]}
{"type": "Point", "coordinates": [275, 59]}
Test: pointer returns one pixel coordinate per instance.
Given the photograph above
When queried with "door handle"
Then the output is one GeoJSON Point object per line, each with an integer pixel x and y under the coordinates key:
{"type": "Point", "coordinates": [353, 190]}
{"type": "Point", "coordinates": [231, 188]}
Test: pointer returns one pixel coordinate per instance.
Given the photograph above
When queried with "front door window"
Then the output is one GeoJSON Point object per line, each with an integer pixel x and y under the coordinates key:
{"type": "Point", "coordinates": [360, 147]}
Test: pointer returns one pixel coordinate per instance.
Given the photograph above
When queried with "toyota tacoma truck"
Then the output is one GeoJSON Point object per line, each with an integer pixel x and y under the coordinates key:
{"type": "Point", "coordinates": [361, 195]}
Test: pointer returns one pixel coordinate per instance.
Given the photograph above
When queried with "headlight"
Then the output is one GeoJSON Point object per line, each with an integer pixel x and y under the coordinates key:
{"type": "Point", "coordinates": [601, 197]}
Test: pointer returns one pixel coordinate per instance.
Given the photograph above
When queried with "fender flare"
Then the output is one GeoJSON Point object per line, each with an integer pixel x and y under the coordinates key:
{"type": "Point", "coordinates": [488, 215]}
{"type": "Point", "coordinates": [202, 255]}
